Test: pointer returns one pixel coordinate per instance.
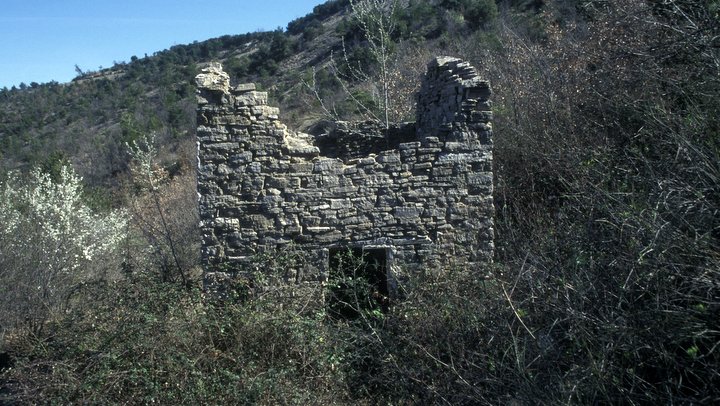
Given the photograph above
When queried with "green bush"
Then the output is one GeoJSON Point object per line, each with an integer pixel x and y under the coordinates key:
{"type": "Point", "coordinates": [480, 12]}
{"type": "Point", "coordinates": [141, 341]}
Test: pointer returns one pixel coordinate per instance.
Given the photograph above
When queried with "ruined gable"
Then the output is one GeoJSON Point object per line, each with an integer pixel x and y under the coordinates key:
{"type": "Point", "coordinates": [421, 193]}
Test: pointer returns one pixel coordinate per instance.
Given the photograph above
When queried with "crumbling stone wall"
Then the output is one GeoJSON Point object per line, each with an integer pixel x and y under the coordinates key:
{"type": "Point", "coordinates": [423, 191]}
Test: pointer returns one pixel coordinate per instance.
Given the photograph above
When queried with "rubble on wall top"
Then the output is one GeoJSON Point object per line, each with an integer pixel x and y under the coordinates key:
{"type": "Point", "coordinates": [212, 77]}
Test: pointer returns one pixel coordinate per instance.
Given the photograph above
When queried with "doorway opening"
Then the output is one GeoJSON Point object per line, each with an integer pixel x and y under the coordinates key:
{"type": "Point", "coordinates": [358, 282]}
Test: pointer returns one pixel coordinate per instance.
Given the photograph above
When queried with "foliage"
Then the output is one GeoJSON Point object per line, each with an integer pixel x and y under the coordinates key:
{"type": "Point", "coordinates": [265, 60]}
{"type": "Point", "coordinates": [140, 340]}
{"type": "Point", "coordinates": [320, 12]}
{"type": "Point", "coordinates": [50, 242]}
{"type": "Point", "coordinates": [357, 286]}
{"type": "Point", "coordinates": [475, 12]}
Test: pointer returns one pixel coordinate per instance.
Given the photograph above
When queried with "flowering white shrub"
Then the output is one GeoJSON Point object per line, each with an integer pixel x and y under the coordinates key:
{"type": "Point", "coordinates": [50, 241]}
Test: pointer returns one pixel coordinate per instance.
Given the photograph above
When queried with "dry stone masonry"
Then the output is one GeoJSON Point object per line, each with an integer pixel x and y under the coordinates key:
{"type": "Point", "coordinates": [420, 193]}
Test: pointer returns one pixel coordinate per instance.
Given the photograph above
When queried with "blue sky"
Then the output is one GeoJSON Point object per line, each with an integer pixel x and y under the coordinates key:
{"type": "Point", "coordinates": [43, 40]}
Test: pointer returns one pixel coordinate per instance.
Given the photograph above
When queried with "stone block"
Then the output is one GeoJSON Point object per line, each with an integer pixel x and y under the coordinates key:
{"type": "Point", "coordinates": [367, 161]}
{"type": "Point", "coordinates": [243, 88]}
{"type": "Point", "coordinates": [329, 237]}
{"type": "Point", "coordinates": [276, 182]}
{"type": "Point", "coordinates": [388, 157]}
{"type": "Point", "coordinates": [406, 212]}
{"type": "Point", "coordinates": [251, 98]}
{"type": "Point", "coordinates": [239, 158]}
{"type": "Point", "coordinates": [409, 146]}
{"type": "Point", "coordinates": [329, 166]}
{"type": "Point", "coordinates": [225, 147]}
{"type": "Point", "coordinates": [340, 203]}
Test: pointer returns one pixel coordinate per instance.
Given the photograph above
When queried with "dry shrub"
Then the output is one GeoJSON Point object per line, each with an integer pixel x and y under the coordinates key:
{"type": "Point", "coordinates": [145, 341]}
{"type": "Point", "coordinates": [163, 206]}
{"type": "Point", "coordinates": [607, 177]}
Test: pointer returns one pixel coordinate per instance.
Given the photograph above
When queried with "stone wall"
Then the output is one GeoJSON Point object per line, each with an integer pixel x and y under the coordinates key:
{"type": "Point", "coordinates": [421, 191]}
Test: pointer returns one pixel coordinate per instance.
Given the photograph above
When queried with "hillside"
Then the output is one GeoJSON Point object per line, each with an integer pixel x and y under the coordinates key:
{"type": "Point", "coordinates": [89, 120]}
{"type": "Point", "coordinates": [605, 286]}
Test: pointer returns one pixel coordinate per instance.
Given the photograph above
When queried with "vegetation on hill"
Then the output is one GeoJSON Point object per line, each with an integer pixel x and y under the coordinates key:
{"type": "Point", "coordinates": [607, 275]}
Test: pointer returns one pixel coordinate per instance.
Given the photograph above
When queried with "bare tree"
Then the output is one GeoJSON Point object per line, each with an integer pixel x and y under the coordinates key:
{"type": "Point", "coordinates": [376, 19]}
{"type": "Point", "coordinates": [164, 212]}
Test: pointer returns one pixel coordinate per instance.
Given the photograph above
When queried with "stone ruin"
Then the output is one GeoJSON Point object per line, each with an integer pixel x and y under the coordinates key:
{"type": "Point", "coordinates": [415, 195]}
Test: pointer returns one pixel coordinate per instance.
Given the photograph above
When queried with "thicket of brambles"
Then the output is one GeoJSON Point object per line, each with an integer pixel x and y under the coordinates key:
{"type": "Point", "coordinates": [606, 281]}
